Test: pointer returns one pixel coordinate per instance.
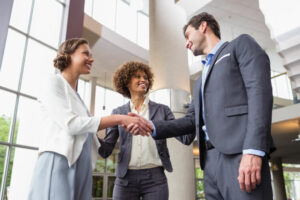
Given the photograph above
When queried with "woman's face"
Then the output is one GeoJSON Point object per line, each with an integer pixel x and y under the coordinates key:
{"type": "Point", "coordinates": [81, 59]}
{"type": "Point", "coordinates": [139, 83]}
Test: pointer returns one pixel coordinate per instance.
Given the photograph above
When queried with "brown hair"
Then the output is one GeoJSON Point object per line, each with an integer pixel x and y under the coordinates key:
{"type": "Point", "coordinates": [63, 59]}
{"type": "Point", "coordinates": [208, 18]}
{"type": "Point", "coordinates": [124, 74]}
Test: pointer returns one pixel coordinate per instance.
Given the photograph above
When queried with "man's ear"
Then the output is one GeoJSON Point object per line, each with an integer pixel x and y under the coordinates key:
{"type": "Point", "coordinates": [203, 26]}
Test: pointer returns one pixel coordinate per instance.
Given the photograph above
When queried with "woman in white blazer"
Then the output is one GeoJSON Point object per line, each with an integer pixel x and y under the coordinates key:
{"type": "Point", "coordinates": [68, 143]}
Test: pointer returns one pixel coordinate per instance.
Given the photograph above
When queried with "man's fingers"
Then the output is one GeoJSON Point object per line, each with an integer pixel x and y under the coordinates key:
{"type": "Point", "coordinates": [241, 180]}
{"type": "Point", "coordinates": [258, 177]}
{"type": "Point", "coordinates": [253, 179]}
{"type": "Point", "coordinates": [248, 180]}
{"type": "Point", "coordinates": [129, 127]}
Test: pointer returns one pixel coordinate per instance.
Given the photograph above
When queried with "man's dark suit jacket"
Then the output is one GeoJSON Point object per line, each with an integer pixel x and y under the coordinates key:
{"type": "Point", "coordinates": [156, 112]}
{"type": "Point", "coordinates": [237, 101]}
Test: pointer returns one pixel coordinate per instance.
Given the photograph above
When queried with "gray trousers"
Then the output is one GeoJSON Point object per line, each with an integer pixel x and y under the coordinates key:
{"type": "Point", "coordinates": [220, 178]}
{"type": "Point", "coordinates": [146, 184]}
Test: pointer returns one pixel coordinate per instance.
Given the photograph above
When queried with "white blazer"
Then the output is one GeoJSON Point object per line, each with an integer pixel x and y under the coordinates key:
{"type": "Point", "coordinates": [64, 120]}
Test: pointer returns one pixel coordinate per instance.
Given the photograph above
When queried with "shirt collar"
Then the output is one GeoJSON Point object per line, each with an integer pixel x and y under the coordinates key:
{"type": "Point", "coordinates": [209, 57]}
{"type": "Point", "coordinates": [144, 105]}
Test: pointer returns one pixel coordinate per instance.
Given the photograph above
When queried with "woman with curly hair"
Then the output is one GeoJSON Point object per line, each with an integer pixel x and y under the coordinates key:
{"type": "Point", "coordinates": [68, 143]}
{"type": "Point", "coordinates": [141, 160]}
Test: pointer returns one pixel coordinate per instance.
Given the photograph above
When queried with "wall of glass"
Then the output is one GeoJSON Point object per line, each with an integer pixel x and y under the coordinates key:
{"type": "Point", "coordinates": [281, 85]}
{"type": "Point", "coordinates": [32, 40]}
{"type": "Point", "coordinates": [129, 18]}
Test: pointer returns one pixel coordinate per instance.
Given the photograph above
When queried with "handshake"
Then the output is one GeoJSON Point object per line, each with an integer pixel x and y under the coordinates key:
{"type": "Point", "coordinates": [137, 125]}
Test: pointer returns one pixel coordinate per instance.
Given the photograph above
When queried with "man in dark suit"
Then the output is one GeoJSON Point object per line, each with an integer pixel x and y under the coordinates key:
{"type": "Point", "coordinates": [230, 113]}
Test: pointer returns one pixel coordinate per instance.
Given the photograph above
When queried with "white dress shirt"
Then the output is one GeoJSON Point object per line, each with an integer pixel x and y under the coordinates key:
{"type": "Point", "coordinates": [144, 153]}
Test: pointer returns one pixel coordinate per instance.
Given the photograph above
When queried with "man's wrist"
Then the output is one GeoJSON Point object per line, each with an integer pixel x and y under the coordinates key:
{"type": "Point", "coordinates": [254, 152]}
{"type": "Point", "coordinates": [153, 134]}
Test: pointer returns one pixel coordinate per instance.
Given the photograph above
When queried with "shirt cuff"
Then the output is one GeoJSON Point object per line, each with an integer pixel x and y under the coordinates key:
{"type": "Point", "coordinates": [254, 152]}
{"type": "Point", "coordinates": [154, 130]}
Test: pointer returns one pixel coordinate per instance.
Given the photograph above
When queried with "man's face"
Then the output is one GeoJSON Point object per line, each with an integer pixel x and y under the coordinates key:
{"type": "Point", "coordinates": [195, 39]}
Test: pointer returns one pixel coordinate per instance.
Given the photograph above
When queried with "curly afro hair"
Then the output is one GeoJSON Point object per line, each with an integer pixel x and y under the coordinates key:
{"type": "Point", "coordinates": [124, 73]}
{"type": "Point", "coordinates": [63, 58]}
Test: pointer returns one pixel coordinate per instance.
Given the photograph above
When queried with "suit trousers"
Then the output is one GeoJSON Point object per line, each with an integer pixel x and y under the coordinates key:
{"type": "Point", "coordinates": [220, 178]}
{"type": "Point", "coordinates": [145, 184]}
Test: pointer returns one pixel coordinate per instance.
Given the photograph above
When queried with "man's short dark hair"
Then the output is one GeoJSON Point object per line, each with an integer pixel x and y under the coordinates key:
{"type": "Point", "coordinates": [208, 18]}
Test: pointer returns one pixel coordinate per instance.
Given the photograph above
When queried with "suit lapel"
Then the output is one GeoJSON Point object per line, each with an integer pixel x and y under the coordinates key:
{"type": "Point", "coordinates": [213, 62]}
{"type": "Point", "coordinates": [125, 109]}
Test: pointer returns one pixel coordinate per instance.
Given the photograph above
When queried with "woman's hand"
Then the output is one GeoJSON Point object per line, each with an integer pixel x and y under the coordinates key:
{"type": "Point", "coordinates": [137, 125]}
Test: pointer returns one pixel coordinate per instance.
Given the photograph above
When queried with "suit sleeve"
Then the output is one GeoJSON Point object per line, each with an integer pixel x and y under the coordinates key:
{"type": "Point", "coordinates": [109, 141]}
{"type": "Point", "coordinates": [55, 102]}
{"type": "Point", "coordinates": [184, 139]}
{"type": "Point", "coordinates": [176, 127]}
{"type": "Point", "coordinates": [254, 65]}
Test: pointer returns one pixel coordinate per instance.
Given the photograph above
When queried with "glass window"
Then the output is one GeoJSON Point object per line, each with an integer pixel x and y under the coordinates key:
{"type": "Point", "coordinates": [99, 101]}
{"type": "Point", "coordinates": [199, 180]}
{"type": "Point", "coordinates": [161, 96]}
{"type": "Point", "coordinates": [22, 164]}
{"type": "Point", "coordinates": [126, 21]}
{"type": "Point", "coordinates": [28, 131]}
{"type": "Point", "coordinates": [84, 90]}
{"type": "Point", "coordinates": [100, 165]}
{"type": "Point", "coordinates": [20, 14]}
{"type": "Point", "coordinates": [2, 157]}
{"type": "Point", "coordinates": [46, 21]}
{"type": "Point", "coordinates": [104, 11]}
{"type": "Point", "coordinates": [110, 186]}
{"type": "Point", "coordinates": [12, 60]}
{"type": "Point", "coordinates": [38, 63]}
{"type": "Point", "coordinates": [112, 162]}
{"type": "Point", "coordinates": [6, 113]}
{"type": "Point", "coordinates": [97, 190]}
{"type": "Point", "coordinates": [88, 7]}
{"type": "Point", "coordinates": [274, 87]}
{"type": "Point", "coordinates": [112, 100]}
{"type": "Point", "coordinates": [143, 30]}
{"type": "Point", "coordinates": [283, 90]}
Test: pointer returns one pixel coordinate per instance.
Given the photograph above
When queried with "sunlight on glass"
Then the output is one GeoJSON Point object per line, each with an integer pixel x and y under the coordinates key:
{"type": "Point", "coordinates": [88, 7]}
{"type": "Point", "coordinates": [274, 87]}
{"type": "Point", "coordinates": [6, 113]}
{"type": "Point", "coordinates": [46, 21]}
{"type": "Point", "coordinates": [143, 30]}
{"type": "Point", "coordinates": [99, 101]}
{"type": "Point", "coordinates": [39, 62]}
{"type": "Point", "coordinates": [21, 168]}
{"type": "Point", "coordinates": [27, 119]}
{"type": "Point", "coordinates": [281, 16]}
{"type": "Point", "coordinates": [2, 157]}
{"type": "Point", "coordinates": [161, 96]}
{"type": "Point", "coordinates": [113, 100]}
{"type": "Point", "coordinates": [281, 86]}
{"type": "Point", "coordinates": [104, 12]}
{"type": "Point", "coordinates": [126, 21]}
{"type": "Point", "coordinates": [20, 14]}
{"type": "Point", "coordinates": [84, 91]}
{"type": "Point", "coordinates": [107, 100]}
{"type": "Point", "coordinates": [283, 90]}
{"type": "Point", "coordinates": [12, 60]}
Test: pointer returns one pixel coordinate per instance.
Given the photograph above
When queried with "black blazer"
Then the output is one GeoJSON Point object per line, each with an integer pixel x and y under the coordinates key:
{"type": "Point", "coordinates": [156, 112]}
{"type": "Point", "coordinates": [238, 102]}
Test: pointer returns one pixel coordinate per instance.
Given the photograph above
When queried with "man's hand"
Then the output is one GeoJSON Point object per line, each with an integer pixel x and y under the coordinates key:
{"type": "Point", "coordinates": [250, 172]}
{"type": "Point", "coordinates": [141, 127]}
